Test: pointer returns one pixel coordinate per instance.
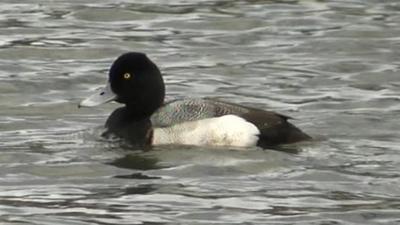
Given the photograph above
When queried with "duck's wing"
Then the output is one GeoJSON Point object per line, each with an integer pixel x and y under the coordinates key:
{"type": "Point", "coordinates": [179, 111]}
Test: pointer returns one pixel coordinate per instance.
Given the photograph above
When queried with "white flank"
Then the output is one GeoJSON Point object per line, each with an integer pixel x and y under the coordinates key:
{"type": "Point", "coordinates": [228, 130]}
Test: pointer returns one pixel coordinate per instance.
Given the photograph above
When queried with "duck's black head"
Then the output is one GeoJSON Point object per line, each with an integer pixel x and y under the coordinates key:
{"type": "Point", "coordinates": [135, 81]}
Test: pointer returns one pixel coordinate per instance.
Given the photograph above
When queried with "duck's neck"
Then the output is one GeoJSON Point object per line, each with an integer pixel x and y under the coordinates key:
{"type": "Point", "coordinates": [142, 111]}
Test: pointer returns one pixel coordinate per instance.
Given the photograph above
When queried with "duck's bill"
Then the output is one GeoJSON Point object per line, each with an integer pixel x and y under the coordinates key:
{"type": "Point", "coordinates": [102, 95]}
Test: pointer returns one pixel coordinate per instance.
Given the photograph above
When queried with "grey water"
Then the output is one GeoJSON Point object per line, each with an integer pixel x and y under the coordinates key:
{"type": "Point", "coordinates": [332, 65]}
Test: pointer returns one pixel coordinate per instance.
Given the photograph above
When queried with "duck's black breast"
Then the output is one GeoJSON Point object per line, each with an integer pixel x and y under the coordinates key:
{"type": "Point", "coordinates": [274, 128]}
{"type": "Point", "coordinates": [124, 124]}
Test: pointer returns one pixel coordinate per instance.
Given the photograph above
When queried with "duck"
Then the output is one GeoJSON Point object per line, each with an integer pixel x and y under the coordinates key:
{"type": "Point", "coordinates": [147, 120]}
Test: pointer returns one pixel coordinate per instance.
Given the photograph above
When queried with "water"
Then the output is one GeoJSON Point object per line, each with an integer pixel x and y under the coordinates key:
{"type": "Point", "coordinates": [333, 65]}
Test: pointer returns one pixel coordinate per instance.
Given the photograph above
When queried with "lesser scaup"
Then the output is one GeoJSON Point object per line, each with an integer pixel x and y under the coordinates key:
{"type": "Point", "coordinates": [145, 120]}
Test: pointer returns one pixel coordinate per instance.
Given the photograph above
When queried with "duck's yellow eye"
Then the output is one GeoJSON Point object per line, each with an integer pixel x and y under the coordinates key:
{"type": "Point", "coordinates": [127, 76]}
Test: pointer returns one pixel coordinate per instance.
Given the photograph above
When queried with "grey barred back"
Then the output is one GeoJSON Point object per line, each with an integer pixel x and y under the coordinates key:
{"type": "Point", "coordinates": [184, 110]}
